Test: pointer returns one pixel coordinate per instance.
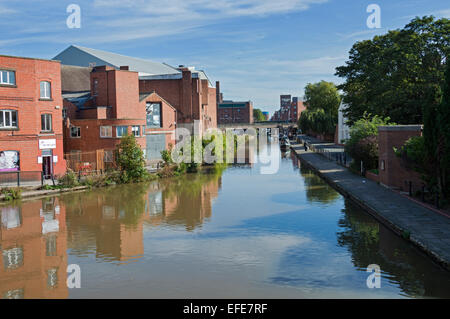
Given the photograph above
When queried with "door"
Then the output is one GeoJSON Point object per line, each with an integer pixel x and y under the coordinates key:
{"type": "Point", "coordinates": [155, 144]}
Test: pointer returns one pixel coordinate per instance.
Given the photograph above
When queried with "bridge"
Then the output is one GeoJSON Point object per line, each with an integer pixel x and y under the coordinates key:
{"type": "Point", "coordinates": [256, 125]}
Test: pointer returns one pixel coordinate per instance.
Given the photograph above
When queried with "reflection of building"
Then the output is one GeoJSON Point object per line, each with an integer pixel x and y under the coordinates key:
{"type": "Point", "coordinates": [30, 116]}
{"type": "Point", "coordinates": [33, 250]}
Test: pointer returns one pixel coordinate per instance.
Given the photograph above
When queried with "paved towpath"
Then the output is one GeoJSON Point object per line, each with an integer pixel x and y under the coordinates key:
{"type": "Point", "coordinates": [428, 230]}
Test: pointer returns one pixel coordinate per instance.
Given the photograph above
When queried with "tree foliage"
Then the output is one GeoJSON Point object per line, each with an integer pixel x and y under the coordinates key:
{"type": "Point", "coordinates": [399, 74]}
{"type": "Point", "coordinates": [322, 102]}
{"type": "Point", "coordinates": [130, 160]}
{"type": "Point", "coordinates": [362, 144]}
{"type": "Point", "coordinates": [258, 115]}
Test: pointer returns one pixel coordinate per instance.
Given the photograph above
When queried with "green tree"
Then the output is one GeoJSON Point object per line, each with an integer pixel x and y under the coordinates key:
{"type": "Point", "coordinates": [130, 160]}
{"type": "Point", "coordinates": [258, 115]}
{"type": "Point", "coordinates": [322, 102]}
{"type": "Point", "coordinates": [399, 74]}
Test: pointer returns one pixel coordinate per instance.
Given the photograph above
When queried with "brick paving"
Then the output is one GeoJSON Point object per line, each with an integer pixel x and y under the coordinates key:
{"type": "Point", "coordinates": [428, 230]}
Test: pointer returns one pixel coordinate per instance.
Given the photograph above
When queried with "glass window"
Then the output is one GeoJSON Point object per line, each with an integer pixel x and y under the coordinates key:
{"type": "Point", "coordinates": [109, 156]}
{"type": "Point", "coordinates": [121, 131]}
{"type": "Point", "coordinates": [64, 113]}
{"type": "Point", "coordinates": [52, 278]}
{"type": "Point", "coordinates": [13, 258]}
{"type": "Point", "coordinates": [136, 131]}
{"type": "Point", "coordinates": [46, 90]}
{"type": "Point", "coordinates": [7, 77]}
{"type": "Point", "coordinates": [46, 122]}
{"type": "Point", "coordinates": [8, 119]}
{"type": "Point", "coordinates": [105, 131]}
{"type": "Point", "coordinates": [153, 114]}
{"type": "Point", "coordinates": [75, 131]}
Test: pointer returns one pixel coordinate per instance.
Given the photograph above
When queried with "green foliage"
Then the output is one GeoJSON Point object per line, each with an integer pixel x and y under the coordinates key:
{"type": "Point", "coordinates": [399, 74]}
{"type": "Point", "coordinates": [130, 160]}
{"type": "Point", "coordinates": [11, 193]}
{"type": "Point", "coordinates": [68, 180]}
{"type": "Point", "coordinates": [322, 102]}
{"type": "Point", "coordinates": [362, 144]}
{"type": "Point", "coordinates": [258, 115]}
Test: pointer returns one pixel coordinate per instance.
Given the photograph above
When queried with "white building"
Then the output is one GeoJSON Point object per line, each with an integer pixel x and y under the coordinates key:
{"type": "Point", "coordinates": [343, 128]}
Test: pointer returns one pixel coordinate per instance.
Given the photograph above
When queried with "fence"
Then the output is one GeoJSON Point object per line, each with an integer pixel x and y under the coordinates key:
{"type": "Point", "coordinates": [99, 160]}
{"type": "Point", "coordinates": [19, 178]}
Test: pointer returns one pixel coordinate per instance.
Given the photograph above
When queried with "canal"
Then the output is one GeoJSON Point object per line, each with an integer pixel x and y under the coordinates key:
{"type": "Point", "coordinates": [230, 234]}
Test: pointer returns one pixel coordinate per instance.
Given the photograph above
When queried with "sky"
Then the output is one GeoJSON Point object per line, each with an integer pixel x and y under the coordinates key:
{"type": "Point", "coordinates": [257, 49]}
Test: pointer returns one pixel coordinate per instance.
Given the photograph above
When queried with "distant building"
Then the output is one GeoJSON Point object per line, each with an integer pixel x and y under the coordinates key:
{"type": "Point", "coordinates": [233, 111]}
{"type": "Point", "coordinates": [188, 90]}
{"type": "Point", "coordinates": [31, 132]}
{"type": "Point", "coordinates": [266, 115]}
{"type": "Point", "coordinates": [343, 130]}
{"type": "Point", "coordinates": [290, 109]}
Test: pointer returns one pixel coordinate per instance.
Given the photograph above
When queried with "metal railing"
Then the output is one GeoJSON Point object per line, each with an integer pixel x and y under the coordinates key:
{"type": "Point", "coordinates": [22, 178]}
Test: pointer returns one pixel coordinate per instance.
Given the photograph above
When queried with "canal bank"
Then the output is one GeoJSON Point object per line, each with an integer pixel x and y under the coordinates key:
{"type": "Point", "coordinates": [424, 228]}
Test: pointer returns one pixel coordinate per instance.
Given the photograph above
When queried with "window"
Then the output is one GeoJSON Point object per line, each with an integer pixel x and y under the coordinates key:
{"type": "Point", "coordinates": [8, 119]}
{"type": "Point", "coordinates": [109, 156]}
{"type": "Point", "coordinates": [136, 131]}
{"type": "Point", "coordinates": [13, 258]}
{"type": "Point", "coordinates": [105, 131]}
{"type": "Point", "coordinates": [64, 113]}
{"type": "Point", "coordinates": [121, 131]}
{"type": "Point", "coordinates": [7, 77]}
{"type": "Point", "coordinates": [95, 88]}
{"type": "Point", "coordinates": [46, 90]}
{"type": "Point", "coordinates": [46, 122]}
{"type": "Point", "coordinates": [75, 131]}
{"type": "Point", "coordinates": [153, 114]}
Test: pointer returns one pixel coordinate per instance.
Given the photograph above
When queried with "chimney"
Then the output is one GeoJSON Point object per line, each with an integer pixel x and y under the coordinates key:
{"type": "Point", "coordinates": [218, 94]}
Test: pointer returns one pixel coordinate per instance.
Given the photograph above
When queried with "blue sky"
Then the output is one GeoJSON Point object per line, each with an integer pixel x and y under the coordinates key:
{"type": "Point", "coordinates": [258, 49]}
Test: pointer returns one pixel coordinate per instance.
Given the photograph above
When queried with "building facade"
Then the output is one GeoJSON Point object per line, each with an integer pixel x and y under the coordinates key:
{"type": "Point", "coordinates": [235, 112]}
{"type": "Point", "coordinates": [31, 133]}
{"type": "Point", "coordinates": [96, 120]}
{"type": "Point", "coordinates": [188, 90]}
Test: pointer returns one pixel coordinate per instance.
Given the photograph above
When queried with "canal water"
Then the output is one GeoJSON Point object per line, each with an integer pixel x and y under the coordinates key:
{"type": "Point", "coordinates": [230, 234]}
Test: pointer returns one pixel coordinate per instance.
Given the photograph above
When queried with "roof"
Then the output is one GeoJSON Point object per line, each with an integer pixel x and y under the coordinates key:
{"type": "Point", "coordinates": [81, 56]}
{"type": "Point", "coordinates": [77, 98]}
{"type": "Point", "coordinates": [75, 78]}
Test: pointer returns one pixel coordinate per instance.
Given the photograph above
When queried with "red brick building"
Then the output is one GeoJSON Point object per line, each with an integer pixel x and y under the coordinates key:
{"type": "Point", "coordinates": [31, 134]}
{"type": "Point", "coordinates": [188, 90]}
{"type": "Point", "coordinates": [392, 171]}
{"type": "Point", "coordinates": [97, 119]}
{"type": "Point", "coordinates": [233, 111]}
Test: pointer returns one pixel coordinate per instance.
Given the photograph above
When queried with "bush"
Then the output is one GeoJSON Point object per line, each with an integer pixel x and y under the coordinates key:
{"type": "Point", "coordinates": [130, 160]}
{"type": "Point", "coordinates": [12, 193]}
{"type": "Point", "coordinates": [362, 144]}
{"type": "Point", "coordinates": [68, 180]}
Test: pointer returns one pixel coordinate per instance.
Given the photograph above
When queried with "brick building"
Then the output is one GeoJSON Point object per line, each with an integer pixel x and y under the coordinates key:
{"type": "Point", "coordinates": [96, 119]}
{"type": "Point", "coordinates": [31, 134]}
{"type": "Point", "coordinates": [188, 90]}
{"type": "Point", "coordinates": [290, 109]}
{"type": "Point", "coordinates": [392, 171]}
{"type": "Point", "coordinates": [233, 111]}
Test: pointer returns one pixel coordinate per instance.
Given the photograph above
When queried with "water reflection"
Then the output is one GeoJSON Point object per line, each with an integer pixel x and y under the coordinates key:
{"type": "Point", "coordinates": [370, 242]}
{"type": "Point", "coordinates": [34, 250]}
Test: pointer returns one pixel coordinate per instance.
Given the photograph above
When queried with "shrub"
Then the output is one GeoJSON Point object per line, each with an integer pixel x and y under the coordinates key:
{"type": "Point", "coordinates": [69, 179]}
{"type": "Point", "coordinates": [130, 160]}
{"type": "Point", "coordinates": [12, 193]}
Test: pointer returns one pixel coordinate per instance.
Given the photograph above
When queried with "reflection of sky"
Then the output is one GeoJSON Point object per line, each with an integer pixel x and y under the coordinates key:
{"type": "Point", "coordinates": [264, 240]}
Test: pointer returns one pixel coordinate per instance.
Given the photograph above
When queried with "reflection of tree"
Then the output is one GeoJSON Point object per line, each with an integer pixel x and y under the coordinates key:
{"type": "Point", "coordinates": [317, 190]}
{"type": "Point", "coordinates": [371, 243]}
{"type": "Point", "coordinates": [192, 196]}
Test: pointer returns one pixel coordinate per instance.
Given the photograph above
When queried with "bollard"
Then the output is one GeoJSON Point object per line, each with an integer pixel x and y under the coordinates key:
{"type": "Point", "coordinates": [423, 193]}
{"type": "Point", "coordinates": [18, 179]}
{"type": "Point", "coordinates": [410, 188]}
{"type": "Point", "coordinates": [437, 200]}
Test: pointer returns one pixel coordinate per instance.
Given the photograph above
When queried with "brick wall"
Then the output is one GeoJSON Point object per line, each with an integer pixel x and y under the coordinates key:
{"type": "Point", "coordinates": [24, 98]}
{"type": "Point", "coordinates": [392, 171]}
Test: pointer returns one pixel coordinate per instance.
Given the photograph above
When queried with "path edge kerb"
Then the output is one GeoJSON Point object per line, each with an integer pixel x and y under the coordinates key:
{"type": "Point", "coordinates": [373, 212]}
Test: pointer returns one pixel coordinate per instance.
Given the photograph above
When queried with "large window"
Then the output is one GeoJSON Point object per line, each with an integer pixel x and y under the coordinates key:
{"type": "Point", "coordinates": [136, 131]}
{"type": "Point", "coordinates": [121, 131]}
{"type": "Point", "coordinates": [46, 122]}
{"type": "Point", "coordinates": [75, 131]}
{"type": "Point", "coordinates": [46, 90]}
{"type": "Point", "coordinates": [7, 77]}
{"type": "Point", "coordinates": [153, 114]}
{"type": "Point", "coordinates": [8, 119]}
{"type": "Point", "coordinates": [105, 131]}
